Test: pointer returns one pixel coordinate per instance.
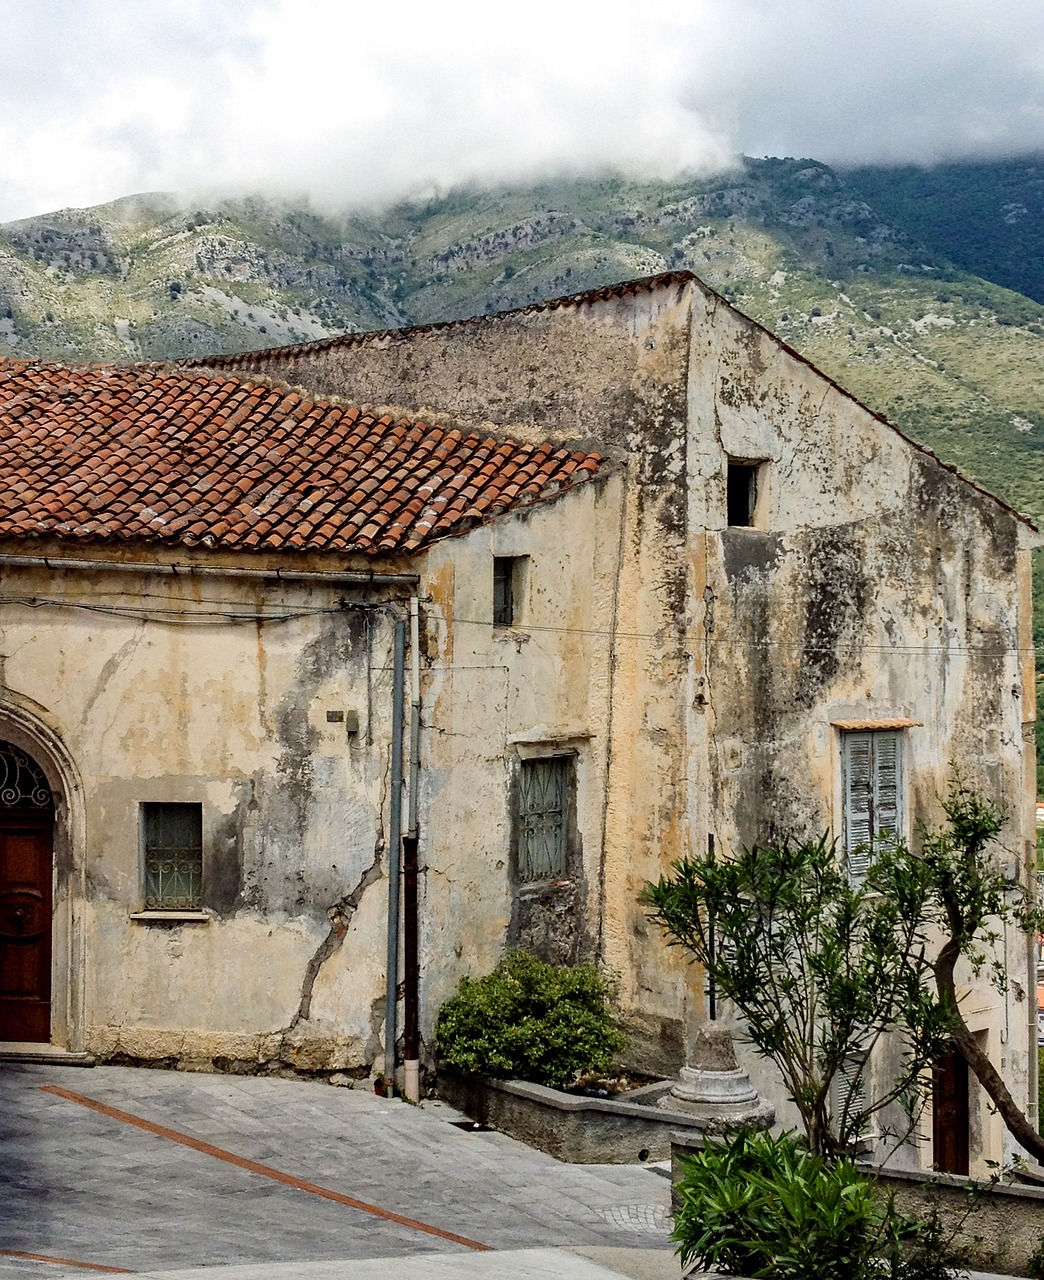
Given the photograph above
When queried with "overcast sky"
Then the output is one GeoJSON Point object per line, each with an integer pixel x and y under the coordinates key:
{"type": "Point", "coordinates": [352, 100]}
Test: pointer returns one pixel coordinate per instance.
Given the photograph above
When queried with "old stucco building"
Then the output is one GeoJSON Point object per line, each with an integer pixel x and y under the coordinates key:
{"type": "Point", "coordinates": [671, 584]}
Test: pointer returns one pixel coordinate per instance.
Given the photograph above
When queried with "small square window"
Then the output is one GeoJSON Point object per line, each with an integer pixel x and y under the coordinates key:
{"type": "Point", "coordinates": [509, 573]}
{"type": "Point", "coordinates": [544, 799]}
{"type": "Point", "coordinates": [172, 840]}
{"type": "Point", "coordinates": [742, 492]}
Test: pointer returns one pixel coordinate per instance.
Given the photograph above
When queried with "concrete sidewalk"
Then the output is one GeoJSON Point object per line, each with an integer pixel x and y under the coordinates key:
{"type": "Point", "coordinates": [157, 1172]}
{"type": "Point", "coordinates": [207, 1177]}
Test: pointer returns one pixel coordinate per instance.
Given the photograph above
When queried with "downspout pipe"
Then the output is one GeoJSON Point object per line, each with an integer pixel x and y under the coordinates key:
{"type": "Point", "coordinates": [411, 921]}
{"type": "Point", "coordinates": [394, 855]}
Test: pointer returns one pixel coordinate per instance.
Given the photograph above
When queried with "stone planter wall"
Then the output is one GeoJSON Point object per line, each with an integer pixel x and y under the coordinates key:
{"type": "Point", "coordinates": [571, 1128]}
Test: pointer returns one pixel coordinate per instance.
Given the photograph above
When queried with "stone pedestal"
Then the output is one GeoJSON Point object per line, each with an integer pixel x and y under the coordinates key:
{"type": "Point", "coordinates": [715, 1090]}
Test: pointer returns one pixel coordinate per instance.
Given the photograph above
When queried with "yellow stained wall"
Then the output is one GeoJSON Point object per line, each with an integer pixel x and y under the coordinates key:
{"type": "Point", "coordinates": [693, 671]}
{"type": "Point", "coordinates": [215, 708]}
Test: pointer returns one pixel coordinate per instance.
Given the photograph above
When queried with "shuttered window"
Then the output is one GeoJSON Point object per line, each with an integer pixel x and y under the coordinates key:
{"type": "Point", "coordinates": [873, 794]}
{"type": "Point", "coordinates": [849, 1090]}
{"type": "Point", "coordinates": [543, 817]}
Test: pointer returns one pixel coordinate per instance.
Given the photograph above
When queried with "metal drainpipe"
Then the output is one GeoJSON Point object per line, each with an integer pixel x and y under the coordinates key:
{"type": "Point", "coordinates": [1032, 958]}
{"type": "Point", "coordinates": [411, 922]}
{"type": "Point", "coordinates": [394, 856]}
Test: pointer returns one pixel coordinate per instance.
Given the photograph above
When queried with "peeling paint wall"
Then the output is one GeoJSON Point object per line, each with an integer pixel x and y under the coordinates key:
{"type": "Point", "coordinates": [694, 670]}
{"type": "Point", "coordinates": [230, 713]}
{"type": "Point", "coordinates": [495, 696]}
{"type": "Point", "coordinates": [877, 585]}
{"type": "Point", "coordinates": [874, 584]}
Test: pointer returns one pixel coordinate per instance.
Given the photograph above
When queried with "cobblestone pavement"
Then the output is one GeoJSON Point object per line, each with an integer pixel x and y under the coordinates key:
{"type": "Point", "coordinates": [118, 1169]}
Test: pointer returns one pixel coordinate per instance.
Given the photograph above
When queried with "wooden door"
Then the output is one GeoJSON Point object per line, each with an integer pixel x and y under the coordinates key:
{"type": "Point", "coordinates": [26, 845]}
{"type": "Point", "coordinates": [950, 1114]}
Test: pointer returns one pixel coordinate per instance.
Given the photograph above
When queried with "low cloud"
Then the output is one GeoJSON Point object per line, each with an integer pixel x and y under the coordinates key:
{"type": "Point", "coordinates": [353, 102]}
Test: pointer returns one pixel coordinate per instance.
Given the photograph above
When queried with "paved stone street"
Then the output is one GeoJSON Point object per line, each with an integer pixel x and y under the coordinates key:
{"type": "Point", "coordinates": [115, 1169]}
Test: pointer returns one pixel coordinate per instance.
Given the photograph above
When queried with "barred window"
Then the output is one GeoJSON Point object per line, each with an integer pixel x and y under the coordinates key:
{"type": "Point", "coordinates": [172, 835]}
{"type": "Point", "coordinates": [543, 817]}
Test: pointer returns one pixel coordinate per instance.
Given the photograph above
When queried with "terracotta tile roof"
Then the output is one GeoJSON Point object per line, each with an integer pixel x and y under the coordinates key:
{"type": "Point", "coordinates": [149, 453]}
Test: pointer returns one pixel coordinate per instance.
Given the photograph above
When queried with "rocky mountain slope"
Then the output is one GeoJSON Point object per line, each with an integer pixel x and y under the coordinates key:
{"type": "Point", "coordinates": [952, 358]}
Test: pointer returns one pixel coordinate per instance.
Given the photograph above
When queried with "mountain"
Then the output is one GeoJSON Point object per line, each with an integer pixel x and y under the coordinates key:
{"type": "Point", "coordinates": [986, 217]}
{"type": "Point", "coordinates": [876, 299]}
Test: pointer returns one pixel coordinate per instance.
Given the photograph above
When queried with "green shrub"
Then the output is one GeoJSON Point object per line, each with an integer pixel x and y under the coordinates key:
{"type": "Point", "coordinates": [1035, 1266]}
{"type": "Point", "coordinates": [532, 1021]}
{"type": "Point", "coordinates": [760, 1206]}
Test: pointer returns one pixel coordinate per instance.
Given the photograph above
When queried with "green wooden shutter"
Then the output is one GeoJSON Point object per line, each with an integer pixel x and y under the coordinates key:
{"type": "Point", "coordinates": [859, 802]}
{"type": "Point", "coordinates": [543, 818]}
{"type": "Point", "coordinates": [850, 1086]}
{"type": "Point", "coordinates": [873, 794]}
{"type": "Point", "coordinates": [886, 783]}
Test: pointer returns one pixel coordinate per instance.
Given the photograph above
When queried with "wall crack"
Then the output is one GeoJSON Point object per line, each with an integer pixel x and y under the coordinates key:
{"type": "Point", "coordinates": [340, 916]}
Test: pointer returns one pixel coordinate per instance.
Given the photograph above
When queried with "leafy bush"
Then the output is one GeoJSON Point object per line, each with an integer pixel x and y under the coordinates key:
{"type": "Point", "coordinates": [755, 1205]}
{"type": "Point", "coordinates": [531, 1020]}
{"type": "Point", "coordinates": [1035, 1267]}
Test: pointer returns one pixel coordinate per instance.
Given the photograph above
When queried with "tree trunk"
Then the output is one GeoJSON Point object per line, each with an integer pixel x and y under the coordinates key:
{"type": "Point", "coordinates": [985, 1072]}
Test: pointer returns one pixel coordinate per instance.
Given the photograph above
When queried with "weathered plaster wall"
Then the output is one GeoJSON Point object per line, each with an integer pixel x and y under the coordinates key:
{"type": "Point", "coordinates": [877, 585]}
{"type": "Point", "coordinates": [231, 713]}
{"type": "Point", "coordinates": [496, 695]}
{"type": "Point", "coordinates": [614, 372]}
{"type": "Point", "coordinates": [693, 671]}
{"type": "Point", "coordinates": [602, 371]}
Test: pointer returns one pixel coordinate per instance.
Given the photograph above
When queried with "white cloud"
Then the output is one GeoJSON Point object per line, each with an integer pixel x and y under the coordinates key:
{"type": "Point", "coordinates": [349, 100]}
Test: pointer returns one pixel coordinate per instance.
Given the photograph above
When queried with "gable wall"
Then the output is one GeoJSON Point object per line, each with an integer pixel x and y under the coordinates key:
{"type": "Point", "coordinates": [880, 585]}
{"type": "Point", "coordinates": [594, 371]}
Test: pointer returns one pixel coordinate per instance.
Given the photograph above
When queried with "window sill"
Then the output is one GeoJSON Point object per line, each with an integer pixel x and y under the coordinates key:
{"type": "Point", "coordinates": [170, 917]}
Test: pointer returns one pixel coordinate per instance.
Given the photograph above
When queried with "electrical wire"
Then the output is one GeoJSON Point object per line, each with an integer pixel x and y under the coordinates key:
{"type": "Point", "coordinates": [203, 616]}
{"type": "Point", "coordinates": [186, 616]}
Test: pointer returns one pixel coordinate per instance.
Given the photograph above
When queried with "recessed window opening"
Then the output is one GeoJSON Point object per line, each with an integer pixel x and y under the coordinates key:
{"type": "Point", "coordinates": [172, 838]}
{"type": "Point", "coordinates": [544, 787]}
{"type": "Point", "coordinates": [742, 492]}
{"type": "Point", "coordinates": [509, 573]}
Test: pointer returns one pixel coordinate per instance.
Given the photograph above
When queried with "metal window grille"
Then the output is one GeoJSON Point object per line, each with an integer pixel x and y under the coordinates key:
{"type": "Point", "coordinates": [543, 811]}
{"type": "Point", "coordinates": [173, 838]}
{"type": "Point", "coordinates": [873, 794]}
{"type": "Point", "coordinates": [22, 781]}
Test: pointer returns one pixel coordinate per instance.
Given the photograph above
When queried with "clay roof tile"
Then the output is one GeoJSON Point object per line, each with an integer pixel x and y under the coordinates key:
{"type": "Point", "coordinates": [137, 452]}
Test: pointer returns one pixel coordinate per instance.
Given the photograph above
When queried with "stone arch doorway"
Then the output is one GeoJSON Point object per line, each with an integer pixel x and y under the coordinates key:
{"type": "Point", "coordinates": [27, 822]}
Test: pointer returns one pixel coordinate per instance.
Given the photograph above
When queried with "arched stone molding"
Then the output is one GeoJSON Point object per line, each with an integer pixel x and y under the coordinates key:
{"type": "Point", "coordinates": [31, 728]}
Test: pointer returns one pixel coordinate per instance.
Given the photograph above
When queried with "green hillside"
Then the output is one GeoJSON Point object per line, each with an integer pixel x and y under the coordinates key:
{"type": "Point", "coordinates": [987, 217]}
